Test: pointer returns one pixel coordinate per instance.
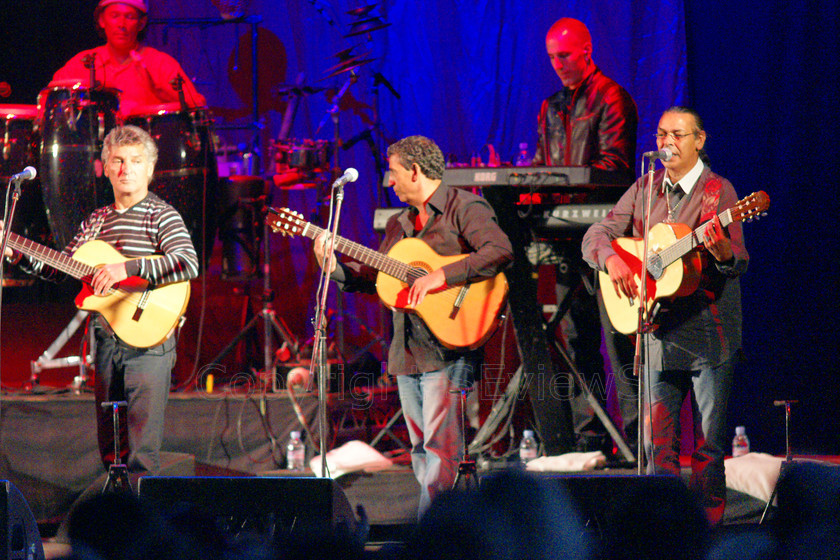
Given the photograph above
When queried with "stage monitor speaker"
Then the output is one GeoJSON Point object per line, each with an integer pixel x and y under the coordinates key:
{"type": "Point", "coordinates": [629, 512]}
{"type": "Point", "coordinates": [19, 536]}
{"type": "Point", "coordinates": [594, 493]}
{"type": "Point", "coordinates": [266, 505]}
{"type": "Point", "coordinates": [808, 497]}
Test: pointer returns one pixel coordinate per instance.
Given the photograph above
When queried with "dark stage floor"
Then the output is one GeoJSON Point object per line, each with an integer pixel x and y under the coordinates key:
{"type": "Point", "coordinates": [47, 437]}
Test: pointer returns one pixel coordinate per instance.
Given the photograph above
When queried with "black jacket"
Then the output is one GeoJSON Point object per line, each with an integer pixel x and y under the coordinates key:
{"type": "Point", "coordinates": [594, 124]}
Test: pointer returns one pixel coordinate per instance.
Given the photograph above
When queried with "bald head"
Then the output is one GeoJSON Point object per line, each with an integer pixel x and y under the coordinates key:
{"type": "Point", "coordinates": [569, 47]}
{"type": "Point", "coordinates": [571, 28]}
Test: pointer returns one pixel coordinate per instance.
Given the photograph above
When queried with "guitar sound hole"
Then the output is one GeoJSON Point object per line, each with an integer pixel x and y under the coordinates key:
{"type": "Point", "coordinates": [418, 270]}
{"type": "Point", "coordinates": [655, 266]}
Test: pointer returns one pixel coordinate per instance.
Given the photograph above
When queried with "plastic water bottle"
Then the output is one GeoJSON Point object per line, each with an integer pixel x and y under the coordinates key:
{"type": "Point", "coordinates": [528, 447]}
{"type": "Point", "coordinates": [522, 159]}
{"type": "Point", "coordinates": [295, 453]}
{"type": "Point", "coordinates": [741, 443]}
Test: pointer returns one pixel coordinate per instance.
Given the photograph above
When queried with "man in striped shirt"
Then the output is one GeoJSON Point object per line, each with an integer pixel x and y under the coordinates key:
{"type": "Point", "coordinates": [138, 225]}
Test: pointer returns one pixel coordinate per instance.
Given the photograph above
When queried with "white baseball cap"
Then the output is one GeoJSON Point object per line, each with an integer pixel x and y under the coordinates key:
{"type": "Point", "coordinates": [139, 4]}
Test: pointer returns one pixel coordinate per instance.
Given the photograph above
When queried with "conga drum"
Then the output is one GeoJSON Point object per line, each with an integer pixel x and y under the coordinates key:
{"type": "Point", "coordinates": [307, 155]}
{"type": "Point", "coordinates": [185, 175]}
{"type": "Point", "coordinates": [19, 149]}
{"type": "Point", "coordinates": [74, 121]}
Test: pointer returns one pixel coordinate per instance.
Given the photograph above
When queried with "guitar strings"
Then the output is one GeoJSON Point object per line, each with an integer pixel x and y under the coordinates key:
{"type": "Point", "coordinates": [74, 268]}
{"type": "Point", "coordinates": [387, 264]}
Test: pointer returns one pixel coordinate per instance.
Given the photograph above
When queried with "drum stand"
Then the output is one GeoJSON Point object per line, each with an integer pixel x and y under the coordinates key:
{"type": "Point", "coordinates": [270, 321]}
{"type": "Point", "coordinates": [47, 360]}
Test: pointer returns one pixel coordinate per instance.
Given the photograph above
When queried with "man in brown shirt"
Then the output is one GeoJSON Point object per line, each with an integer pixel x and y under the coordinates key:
{"type": "Point", "coordinates": [452, 222]}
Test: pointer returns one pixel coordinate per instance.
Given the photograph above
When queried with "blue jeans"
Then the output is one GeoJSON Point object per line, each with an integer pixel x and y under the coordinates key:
{"type": "Point", "coordinates": [709, 390]}
{"type": "Point", "coordinates": [433, 416]}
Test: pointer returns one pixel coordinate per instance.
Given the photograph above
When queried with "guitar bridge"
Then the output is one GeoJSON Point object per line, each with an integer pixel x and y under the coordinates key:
{"type": "Point", "coordinates": [459, 301]}
{"type": "Point", "coordinates": [141, 306]}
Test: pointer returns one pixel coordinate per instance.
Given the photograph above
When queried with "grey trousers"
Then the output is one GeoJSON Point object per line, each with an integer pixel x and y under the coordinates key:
{"type": "Point", "coordinates": [142, 377]}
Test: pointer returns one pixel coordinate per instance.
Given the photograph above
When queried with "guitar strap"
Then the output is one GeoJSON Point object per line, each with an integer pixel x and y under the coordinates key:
{"type": "Point", "coordinates": [711, 199]}
{"type": "Point", "coordinates": [708, 210]}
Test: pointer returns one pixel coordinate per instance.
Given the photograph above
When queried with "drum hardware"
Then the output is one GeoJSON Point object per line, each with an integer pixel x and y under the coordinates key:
{"type": "Point", "coordinates": [253, 21]}
{"type": "Point", "coordinates": [84, 362]}
{"type": "Point", "coordinates": [365, 23]}
{"type": "Point", "coordinates": [244, 199]}
{"type": "Point", "coordinates": [177, 84]}
{"type": "Point", "coordinates": [290, 91]}
{"type": "Point", "coordinates": [89, 62]}
{"type": "Point", "coordinates": [312, 156]}
{"type": "Point", "coordinates": [350, 63]}
{"type": "Point", "coordinates": [333, 114]}
{"type": "Point", "coordinates": [186, 175]}
{"type": "Point", "coordinates": [272, 323]}
{"type": "Point", "coordinates": [73, 122]}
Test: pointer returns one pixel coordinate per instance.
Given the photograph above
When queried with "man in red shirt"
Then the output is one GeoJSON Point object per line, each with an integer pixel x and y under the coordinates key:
{"type": "Point", "coordinates": [144, 76]}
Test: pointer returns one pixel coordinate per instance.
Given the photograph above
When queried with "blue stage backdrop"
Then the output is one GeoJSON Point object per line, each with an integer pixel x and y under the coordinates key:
{"type": "Point", "coordinates": [763, 75]}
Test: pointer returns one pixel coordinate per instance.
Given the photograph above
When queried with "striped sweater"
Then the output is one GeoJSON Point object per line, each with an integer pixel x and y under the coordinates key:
{"type": "Point", "coordinates": [150, 227]}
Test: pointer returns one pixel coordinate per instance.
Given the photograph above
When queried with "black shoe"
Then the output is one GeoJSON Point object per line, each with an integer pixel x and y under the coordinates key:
{"type": "Point", "coordinates": [587, 444]}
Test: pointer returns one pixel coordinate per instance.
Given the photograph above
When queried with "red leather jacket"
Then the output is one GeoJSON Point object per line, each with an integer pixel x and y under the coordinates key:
{"type": "Point", "coordinates": [594, 124]}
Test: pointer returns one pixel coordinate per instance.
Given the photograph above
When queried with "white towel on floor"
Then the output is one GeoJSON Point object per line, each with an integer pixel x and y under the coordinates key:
{"type": "Point", "coordinates": [351, 457]}
{"type": "Point", "coordinates": [568, 462]}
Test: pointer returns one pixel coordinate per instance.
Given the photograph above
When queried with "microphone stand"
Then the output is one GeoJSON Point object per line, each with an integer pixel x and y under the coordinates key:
{"type": "Point", "coordinates": [333, 113]}
{"type": "Point", "coordinates": [320, 359]}
{"type": "Point", "coordinates": [7, 227]}
{"type": "Point", "coordinates": [643, 327]}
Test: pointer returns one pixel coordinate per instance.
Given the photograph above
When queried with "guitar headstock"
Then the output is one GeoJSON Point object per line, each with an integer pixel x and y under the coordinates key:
{"type": "Point", "coordinates": [285, 221]}
{"type": "Point", "coordinates": [753, 206]}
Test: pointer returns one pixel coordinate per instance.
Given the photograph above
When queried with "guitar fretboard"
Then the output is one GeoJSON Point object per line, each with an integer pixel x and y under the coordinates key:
{"type": "Point", "coordinates": [51, 257]}
{"type": "Point", "coordinates": [379, 261]}
{"type": "Point", "coordinates": [686, 244]}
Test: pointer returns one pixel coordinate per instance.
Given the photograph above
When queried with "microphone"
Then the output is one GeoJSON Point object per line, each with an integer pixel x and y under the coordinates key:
{"type": "Point", "coordinates": [664, 154]}
{"type": "Point", "coordinates": [26, 175]}
{"type": "Point", "coordinates": [350, 176]}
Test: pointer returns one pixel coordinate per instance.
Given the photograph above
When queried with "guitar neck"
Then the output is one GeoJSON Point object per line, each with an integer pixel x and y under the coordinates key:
{"type": "Point", "coordinates": [50, 257]}
{"type": "Point", "coordinates": [688, 243]}
{"type": "Point", "coordinates": [375, 259]}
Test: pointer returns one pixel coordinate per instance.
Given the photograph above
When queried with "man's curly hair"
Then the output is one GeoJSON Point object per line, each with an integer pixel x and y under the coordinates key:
{"type": "Point", "coordinates": [422, 151]}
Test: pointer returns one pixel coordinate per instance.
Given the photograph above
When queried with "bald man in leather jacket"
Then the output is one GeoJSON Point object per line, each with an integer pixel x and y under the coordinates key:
{"type": "Point", "coordinates": [592, 121]}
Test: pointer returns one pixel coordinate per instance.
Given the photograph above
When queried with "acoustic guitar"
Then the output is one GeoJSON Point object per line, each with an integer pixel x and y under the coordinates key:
{"type": "Point", "coordinates": [674, 267]}
{"type": "Point", "coordinates": [141, 315]}
{"type": "Point", "coordinates": [459, 316]}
